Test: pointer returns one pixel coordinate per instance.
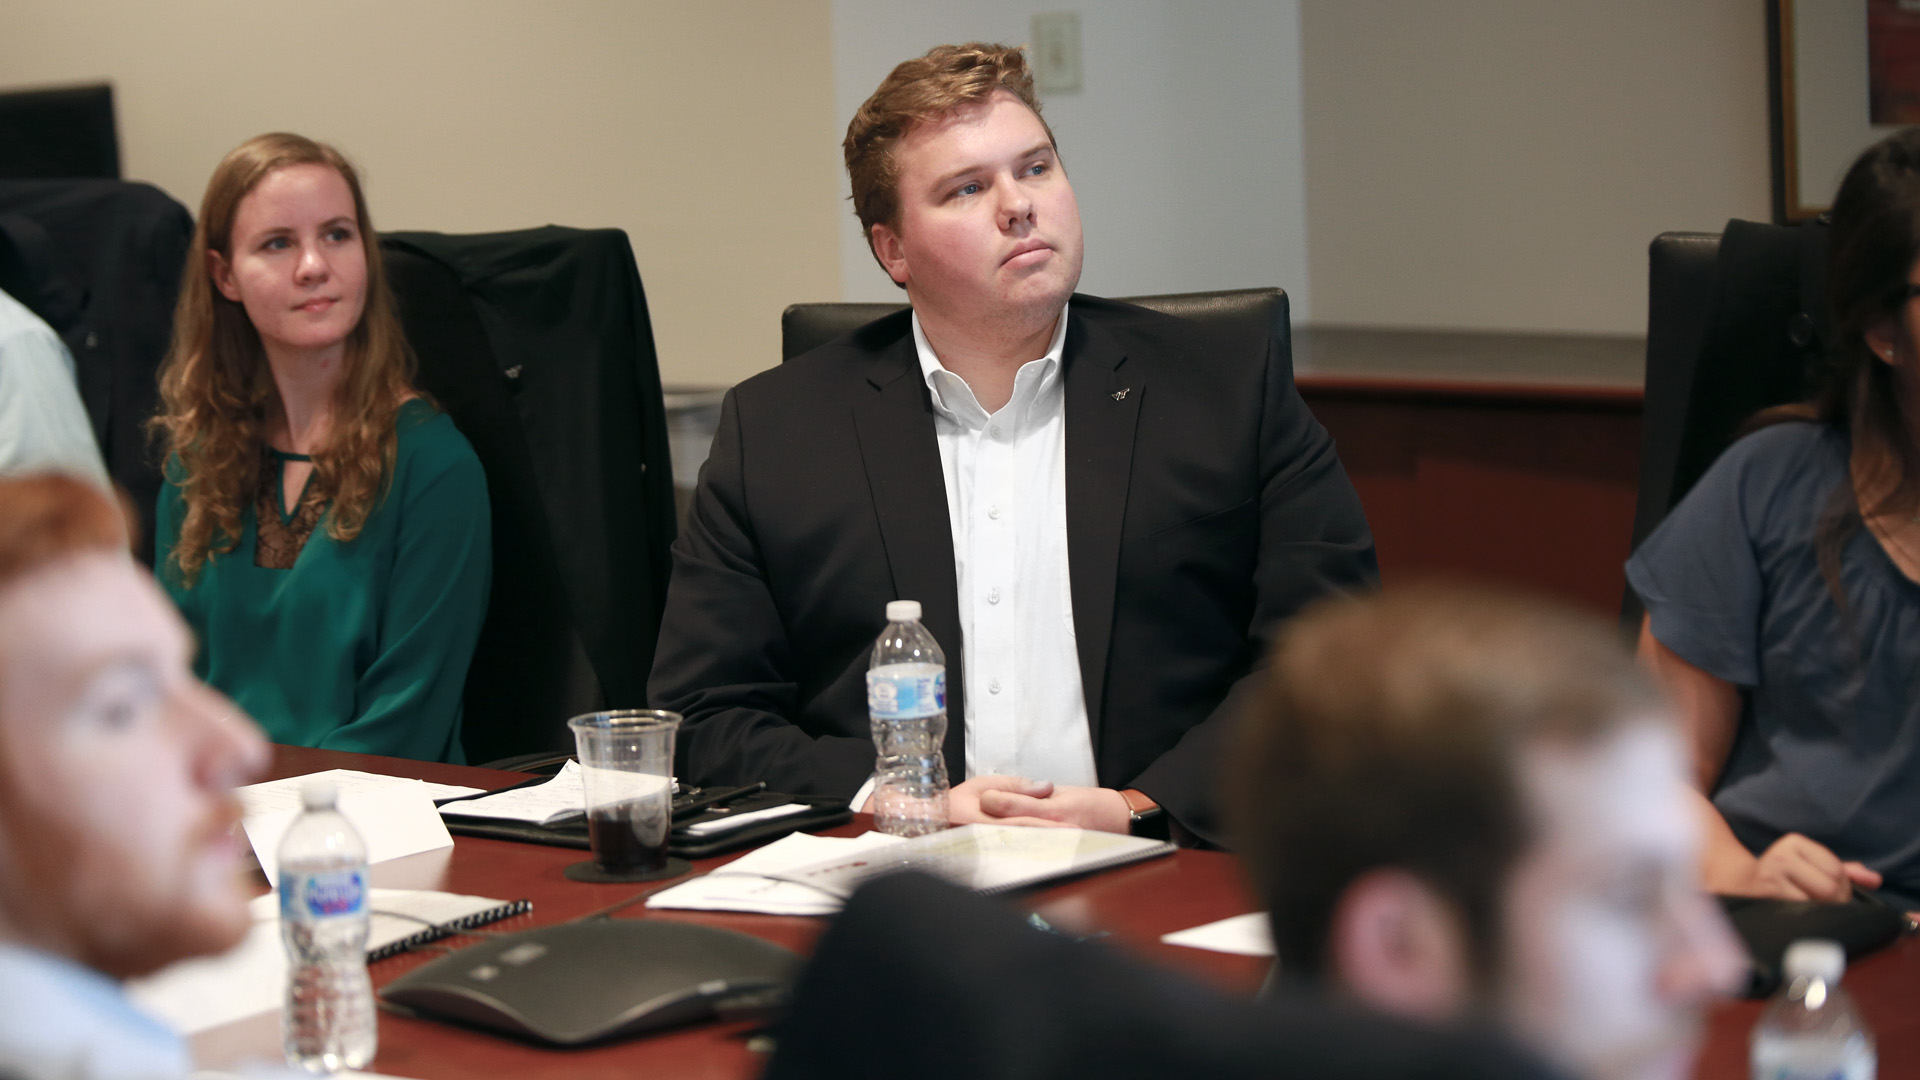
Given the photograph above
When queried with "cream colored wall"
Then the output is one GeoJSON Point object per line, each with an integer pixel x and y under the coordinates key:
{"type": "Point", "coordinates": [1503, 164]}
{"type": "Point", "coordinates": [1494, 164]}
{"type": "Point", "coordinates": [705, 130]}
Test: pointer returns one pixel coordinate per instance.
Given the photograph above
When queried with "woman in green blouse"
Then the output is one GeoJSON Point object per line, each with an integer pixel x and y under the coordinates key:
{"type": "Point", "coordinates": [323, 527]}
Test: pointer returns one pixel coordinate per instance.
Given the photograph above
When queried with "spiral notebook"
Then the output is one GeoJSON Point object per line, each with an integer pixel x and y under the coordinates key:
{"type": "Point", "coordinates": [406, 919]}
{"type": "Point", "coordinates": [205, 992]}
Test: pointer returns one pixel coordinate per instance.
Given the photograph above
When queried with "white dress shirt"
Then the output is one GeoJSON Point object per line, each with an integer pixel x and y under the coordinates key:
{"type": "Point", "coordinates": [1026, 714]}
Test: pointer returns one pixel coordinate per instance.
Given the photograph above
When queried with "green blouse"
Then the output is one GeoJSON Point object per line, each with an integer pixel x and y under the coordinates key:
{"type": "Point", "coordinates": [363, 645]}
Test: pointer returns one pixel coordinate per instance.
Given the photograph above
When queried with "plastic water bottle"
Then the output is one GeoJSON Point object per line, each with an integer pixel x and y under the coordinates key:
{"type": "Point", "coordinates": [1811, 1031]}
{"type": "Point", "coordinates": [328, 1024]}
{"type": "Point", "coordinates": [907, 703]}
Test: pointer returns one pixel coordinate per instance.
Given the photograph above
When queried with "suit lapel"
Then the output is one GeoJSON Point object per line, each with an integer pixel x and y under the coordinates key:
{"type": "Point", "coordinates": [902, 457]}
{"type": "Point", "coordinates": [1103, 397]}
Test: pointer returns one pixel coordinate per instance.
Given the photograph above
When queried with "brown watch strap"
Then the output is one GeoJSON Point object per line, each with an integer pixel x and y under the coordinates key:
{"type": "Point", "coordinates": [1137, 801]}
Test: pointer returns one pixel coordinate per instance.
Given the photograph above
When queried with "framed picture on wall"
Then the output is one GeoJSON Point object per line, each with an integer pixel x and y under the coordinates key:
{"type": "Point", "coordinates": [1843, 74]}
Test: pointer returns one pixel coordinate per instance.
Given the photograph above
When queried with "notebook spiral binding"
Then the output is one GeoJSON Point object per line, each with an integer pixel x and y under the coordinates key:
{"type": "Point", "coordinates": [449, 928]}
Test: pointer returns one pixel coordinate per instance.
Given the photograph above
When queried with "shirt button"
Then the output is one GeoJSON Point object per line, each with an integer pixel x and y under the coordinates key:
{"type": "Point", "coordinates": [993, 596]}
{"type": "Point", "coordinates": [993, 512]}
{"type": "Point", "coordinates": [993, 687]}
{"type": "Point", "coordinates": [996, 430]}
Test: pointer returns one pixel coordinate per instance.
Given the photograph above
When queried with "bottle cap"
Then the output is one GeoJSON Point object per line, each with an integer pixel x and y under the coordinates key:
{"type": "Point", "coordinates": [318, 794]}
{"type": "Point", "coordinates": [1815, 958]}
{"type": "Point", "coordinates": [903, 610]}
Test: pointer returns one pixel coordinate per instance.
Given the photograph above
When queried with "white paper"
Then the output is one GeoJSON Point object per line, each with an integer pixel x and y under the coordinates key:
{"type": "Point", "coordinates": [206, 992]}
{"type": "Point", "coordinates": [987, 858]}
{"type": "Point", "coordinates": [621, 785]}
{"type": "Point", "coordinates": [277, 795]}
{"type": "Point", "coordinates": [557, 800]}
{"type": "Point", "coordinates": [741, 885]}
{"type": "Point", "coordinates": [394, 818]}
{"type": "Point", "coordinates": [716, 826]}
{"type": "Point", "coordinates": [203, 993]}
{"type": "Point", "coordinates": [1243, 935]}
{"type": "Point", "coordinates": [280, 1072]}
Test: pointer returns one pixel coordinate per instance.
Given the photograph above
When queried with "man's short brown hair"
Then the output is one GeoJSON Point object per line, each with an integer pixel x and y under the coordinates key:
{"type": "Point", "coordinates": [1387, 734]}
{"type": "Point", "coordinates": [914, 93]}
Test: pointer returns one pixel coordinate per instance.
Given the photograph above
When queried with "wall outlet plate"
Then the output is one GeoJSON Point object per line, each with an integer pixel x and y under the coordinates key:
{"type": "Point", "coordinates": [1056, 52]}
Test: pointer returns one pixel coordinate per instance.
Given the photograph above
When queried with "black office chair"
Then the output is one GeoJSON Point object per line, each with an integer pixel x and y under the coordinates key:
{"type": "Point", "coordinates": [538, 345]}
{"type": "Point", "coordinates": [806, 326]}
{"type": "Point", "coordinates": [1736, 322]}
{"type": "Point", "coordinates": [100, 261]}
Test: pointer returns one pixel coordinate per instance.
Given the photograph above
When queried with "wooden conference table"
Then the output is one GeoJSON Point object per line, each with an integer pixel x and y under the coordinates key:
{"type": "Point", "coordinates": [1136, 904]}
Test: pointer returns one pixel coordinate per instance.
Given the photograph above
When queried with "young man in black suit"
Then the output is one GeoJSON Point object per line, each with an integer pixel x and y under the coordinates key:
{"type": "Point", "coordinates": [1104, 512]}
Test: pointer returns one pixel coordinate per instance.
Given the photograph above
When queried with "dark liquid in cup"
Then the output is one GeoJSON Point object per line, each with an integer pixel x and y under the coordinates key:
{"type": "Point", "coordinates": [629, 837]}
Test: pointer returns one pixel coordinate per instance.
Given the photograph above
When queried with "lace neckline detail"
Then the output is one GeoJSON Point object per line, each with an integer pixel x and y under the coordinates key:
{"type": "Point", "coordinates": [279, 537]}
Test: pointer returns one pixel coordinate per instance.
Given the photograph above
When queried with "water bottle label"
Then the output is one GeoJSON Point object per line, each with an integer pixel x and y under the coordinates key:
{"type": "Point", "coordinates": [322, 896]}
{"type": "Point", "coordinates": [904, 697]}
{"type": "Point", "coordinates": [1776, 1058]}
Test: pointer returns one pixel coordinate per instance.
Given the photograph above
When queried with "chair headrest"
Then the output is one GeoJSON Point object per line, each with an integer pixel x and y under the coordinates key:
{"type": "Point", "coordinates": [809, 326]}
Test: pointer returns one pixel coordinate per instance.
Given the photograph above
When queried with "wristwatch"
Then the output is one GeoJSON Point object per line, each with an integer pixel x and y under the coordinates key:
{"type": "Point", "coordinates": [1145, 818]}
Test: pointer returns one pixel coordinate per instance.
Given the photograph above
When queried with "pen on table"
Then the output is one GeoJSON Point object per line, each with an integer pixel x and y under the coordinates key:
{"type": "Point", "coordinates": [529, 782]}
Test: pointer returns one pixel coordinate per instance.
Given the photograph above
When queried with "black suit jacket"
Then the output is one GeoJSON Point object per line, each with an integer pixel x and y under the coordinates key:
{"type": "Point", "coordinates": [1204, 505]}
{"type": "Point", "coordinates": [537, 343]}
{"type": "Point", "coordinates": [943, 984]}
{"type": "Point", "coordinates": [105, 257]}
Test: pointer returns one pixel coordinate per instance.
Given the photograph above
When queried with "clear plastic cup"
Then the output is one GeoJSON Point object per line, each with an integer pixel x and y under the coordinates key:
{"type": "Point", "coordinates": [626, 766]}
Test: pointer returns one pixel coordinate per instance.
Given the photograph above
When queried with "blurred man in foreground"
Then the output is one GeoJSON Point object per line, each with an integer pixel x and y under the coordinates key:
{"type": "Point", "coordinates": [117, 771]}
{"type": "Point", "coordinates": [1462, 804]}
{"type": "Point", "coordinates": [1467, 812]}
{"type": "Point", "coordinates": [918, 977]}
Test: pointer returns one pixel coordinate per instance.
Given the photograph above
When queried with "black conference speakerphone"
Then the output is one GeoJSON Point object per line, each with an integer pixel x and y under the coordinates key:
{"type": "Point", "coordinates": [599, 979]}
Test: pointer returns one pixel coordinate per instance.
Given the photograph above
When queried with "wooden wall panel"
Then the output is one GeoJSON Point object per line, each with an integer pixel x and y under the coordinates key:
{"type": "Point", "coordinates": [1537, 492]}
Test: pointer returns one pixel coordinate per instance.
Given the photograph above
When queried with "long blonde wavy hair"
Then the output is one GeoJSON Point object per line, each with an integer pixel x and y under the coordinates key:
{"type": "Point", "coordinates": [216, 390]}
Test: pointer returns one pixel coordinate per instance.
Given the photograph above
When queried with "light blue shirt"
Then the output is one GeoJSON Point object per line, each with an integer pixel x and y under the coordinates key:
{"type": "Point", "coordinates": [61, 1021]}
{"type": "Point", "coordinates": [43, 423]}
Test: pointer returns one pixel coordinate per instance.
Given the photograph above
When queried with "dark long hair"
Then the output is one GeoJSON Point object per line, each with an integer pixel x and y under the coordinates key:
{"type": "Point", "coordinates": [1873, 244]}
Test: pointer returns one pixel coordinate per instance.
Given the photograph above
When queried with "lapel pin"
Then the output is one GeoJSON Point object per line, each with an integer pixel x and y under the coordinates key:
{"type": "Point", "coordinates": [1121, 395]}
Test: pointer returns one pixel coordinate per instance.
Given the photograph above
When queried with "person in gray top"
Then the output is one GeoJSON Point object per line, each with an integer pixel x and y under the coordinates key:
{"type": "Point", "coordinates": [1783, 593]}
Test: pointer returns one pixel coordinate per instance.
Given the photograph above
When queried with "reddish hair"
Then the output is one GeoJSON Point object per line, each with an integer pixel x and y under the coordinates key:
{"type": "Point", "coordinates": [48, 517]}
